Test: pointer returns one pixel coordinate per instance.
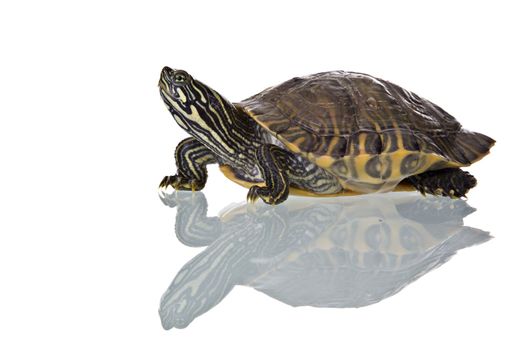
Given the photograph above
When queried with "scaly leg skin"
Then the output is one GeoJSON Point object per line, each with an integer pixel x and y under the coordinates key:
{"type": "Point", "coordinates": [270, 159]}
{"type": "Point", "coordinates": [191, 158]}
{"type": "Point", "coordinates": [450, 182]}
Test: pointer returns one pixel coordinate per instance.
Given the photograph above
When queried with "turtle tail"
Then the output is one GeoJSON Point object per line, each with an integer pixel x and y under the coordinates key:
{"type": "Point", "coordinates": [474, 145]}
{"type": "Point", "coordinates": [466, 147]}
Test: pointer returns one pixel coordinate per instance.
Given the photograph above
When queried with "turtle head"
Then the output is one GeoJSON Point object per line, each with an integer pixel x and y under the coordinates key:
{"type": "Point", "coordinates": [185, 97]}
{"type": "Point", "coordinates": [189, 100]}
{"type": "Point", "coordinates": [201, 111]}
{"type": "Point", "coordinates": [177, 87]}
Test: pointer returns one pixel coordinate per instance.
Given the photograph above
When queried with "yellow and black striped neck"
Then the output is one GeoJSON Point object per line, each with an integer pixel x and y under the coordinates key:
{"type": "Point", "coordinates": [210, 118]}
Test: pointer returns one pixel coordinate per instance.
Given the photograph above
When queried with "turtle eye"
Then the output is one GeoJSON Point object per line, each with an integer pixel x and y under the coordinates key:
{"type": "Point", "coordinates": [180, 78]}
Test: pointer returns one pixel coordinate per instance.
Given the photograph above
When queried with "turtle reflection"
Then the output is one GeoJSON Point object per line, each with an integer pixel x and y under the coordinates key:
{"type": "Point", "coordinates": [332, 252]}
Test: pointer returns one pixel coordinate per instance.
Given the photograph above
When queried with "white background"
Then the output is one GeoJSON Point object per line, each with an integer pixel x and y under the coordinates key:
{"type": "Point", "coordinates": [87, 248]}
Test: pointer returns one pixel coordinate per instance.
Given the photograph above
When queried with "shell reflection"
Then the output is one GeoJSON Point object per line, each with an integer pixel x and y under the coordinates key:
{"type": "Point", "coordinates": [333, 252]}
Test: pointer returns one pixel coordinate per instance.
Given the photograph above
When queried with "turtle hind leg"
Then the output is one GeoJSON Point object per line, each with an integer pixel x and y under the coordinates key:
{"type": "Point", "coordinates": [449, 182]}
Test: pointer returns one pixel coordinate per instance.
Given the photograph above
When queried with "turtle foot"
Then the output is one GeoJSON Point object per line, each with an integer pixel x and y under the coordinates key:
{"type": "Point", "coordinates": [180, 183]}
{"type": "Point", "coordinates": [453, 182]}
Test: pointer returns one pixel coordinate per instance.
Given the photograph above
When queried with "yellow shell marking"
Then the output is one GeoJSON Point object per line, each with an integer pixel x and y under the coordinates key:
{"type": "Point", "coordinates": [324, 162]}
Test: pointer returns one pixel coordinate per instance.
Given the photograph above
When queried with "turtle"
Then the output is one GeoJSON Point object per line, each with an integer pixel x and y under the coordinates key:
{"type": "Point", "coordinates": [326, 134]}
{"type": "Point", "coordinates": [341, 252]}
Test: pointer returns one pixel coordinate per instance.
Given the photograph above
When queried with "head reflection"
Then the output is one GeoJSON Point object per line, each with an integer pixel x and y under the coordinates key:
{"type": "Point", "coordinates": [333, 252]}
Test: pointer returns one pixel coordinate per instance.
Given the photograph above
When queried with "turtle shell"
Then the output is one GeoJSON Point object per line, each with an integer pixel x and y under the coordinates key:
{"type": "Point", "coordinates": [368, 132]}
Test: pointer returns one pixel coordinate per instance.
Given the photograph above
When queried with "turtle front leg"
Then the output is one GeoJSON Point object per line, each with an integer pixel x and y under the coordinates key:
{"type": "Point", "coordinates": [271, 160]}
{"type": "Point", "coordinates": [191, 158]}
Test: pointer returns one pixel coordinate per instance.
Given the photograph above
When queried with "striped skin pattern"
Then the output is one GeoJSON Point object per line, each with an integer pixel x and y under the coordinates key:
{"type": "Point", "coordinates": [212, 121]}
{"type": "Point", "coordinates": [280, 167]}
{"type": "Point", "coordinates": [276, 179]}
{"type": "Point", "coordinates": [368, 132]}
{"type": "Point", "coordinates": [191, 158]}
{"type": "Point", "coordinates": [222, 133]}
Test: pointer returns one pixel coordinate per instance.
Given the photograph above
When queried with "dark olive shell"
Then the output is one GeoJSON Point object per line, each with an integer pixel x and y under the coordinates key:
{"type": "Point", "coordinates": [327, 114]}
{"type": "Point", "coordinates": [355, 123]}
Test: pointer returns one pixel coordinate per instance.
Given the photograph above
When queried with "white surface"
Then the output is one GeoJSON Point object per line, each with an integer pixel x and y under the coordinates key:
{"type": "Point", "coordinates": [86, 247]}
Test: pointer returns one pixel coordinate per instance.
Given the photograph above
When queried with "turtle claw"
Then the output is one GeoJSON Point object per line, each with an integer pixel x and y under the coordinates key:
{"type": "Point", "coordinates": [173, 180]}
{"type": "Point", "coordinates": [180, 183]}
{"type": "Point", "coordinates": [252, 195]}
{"type": "Point", "coordinates": [456, 194]}
{"type": "Point", "coordinates": [264, 193]}
{"type": "Point", "coordinates": [194, 186]}
{"type": "Point", "coordinates": [453, 183]}
{"type": "Point", "coordinates": [163, 186]}
{"type": "Point", "coordinates": [163, 189]}
{"type": "Point", "coordinates": [451, 193]}
{"type": "Point", "coordinates": [163, 183]}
